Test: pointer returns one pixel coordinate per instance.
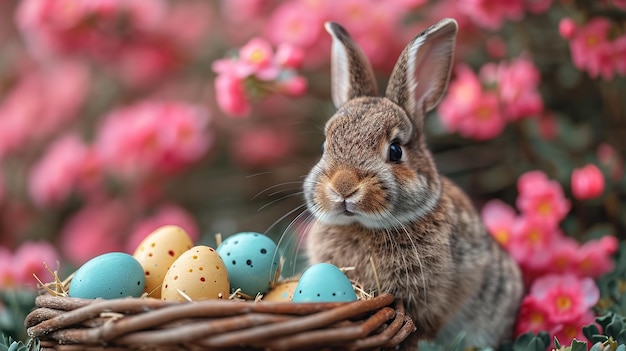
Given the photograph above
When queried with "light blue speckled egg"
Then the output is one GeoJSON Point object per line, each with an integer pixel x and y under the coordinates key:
{"type": "Point", "coordinates": [250, 261]}
{"type": "Point", "coordinates": [324, 282]}
{"type": "Point", "coordinates": [109, 276]}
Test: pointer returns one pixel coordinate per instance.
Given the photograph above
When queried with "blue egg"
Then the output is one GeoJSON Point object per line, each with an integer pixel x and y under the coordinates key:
{"type": "Point", "coordinates": [250, 262]}
{"type": "Point", "coordinates": [324, 282]}
{"type": "Point", "coordinates": [109, 276]}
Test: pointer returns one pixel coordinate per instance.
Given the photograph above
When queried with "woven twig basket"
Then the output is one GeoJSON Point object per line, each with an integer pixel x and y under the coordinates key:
{"type": "Point", "coordinates": [63, 323]}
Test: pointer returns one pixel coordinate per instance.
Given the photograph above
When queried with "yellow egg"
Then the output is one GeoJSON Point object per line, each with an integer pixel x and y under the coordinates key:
{"type": "Point", "coordinates": [283, 292]}
{"type": "Point", "coordinates": [157, 252]}
{"type": "Point", "coordinates": [199, 273]}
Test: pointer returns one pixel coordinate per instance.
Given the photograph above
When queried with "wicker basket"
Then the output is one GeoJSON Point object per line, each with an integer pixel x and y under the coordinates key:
{"type": "Point", "coordinates": [63, 323]}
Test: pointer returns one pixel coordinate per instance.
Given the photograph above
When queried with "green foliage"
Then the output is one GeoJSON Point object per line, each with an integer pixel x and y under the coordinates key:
{"type": "Point", "coordinates": [458, 344]}
{"type": "Point", "coordinates": [613, 286]}
{"type": "Point", "coordinates": [8, 344]}
{"type": "Point", "coordinates": [16, 305]}
{"type": "Point", "coordinates": [532, 342]}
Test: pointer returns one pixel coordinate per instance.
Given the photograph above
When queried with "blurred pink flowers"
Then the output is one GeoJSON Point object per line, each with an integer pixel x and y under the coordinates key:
{"type": "Point", "coordinates": [152, 137]}
{"type": "Point", "coordinates": [533, 238]}
{"type": "Point", "coordinates": [559, 304]}
{"type": "Point", "coordinates": [255, 73]}
{"type": "Point", "coordinates": [587, 182]}
{"type": "Point", "coordinates": [164, 215]}
{"type": "Point", "coordinates": [478, 106]}
{"type": "Point", "coordinates": [68, 165]}
{"type": "Point", "coordinates": [17, 269]}
{"type": "Point", "coordinates": [48, 98]}
{"type": "Point", "coordinates": [593, 49]}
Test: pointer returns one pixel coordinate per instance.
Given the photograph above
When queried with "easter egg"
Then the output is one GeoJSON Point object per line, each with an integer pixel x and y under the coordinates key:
{"type": "Point", "coordinates": [109, 276]}
{"type": "Point", "coordinates": [199, 273]}
{"type": "Point", "coordinates": [324, 282]}
{"type": "Point", "coordinates": [158, 251]}
{"type": "Point", "coordinates": [283, 292]}
{"type": "Point", "coordinates": [249, 258]}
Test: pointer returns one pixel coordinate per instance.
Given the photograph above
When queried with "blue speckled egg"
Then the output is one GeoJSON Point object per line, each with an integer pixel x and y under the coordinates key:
{"type": "Point", "coordinates": [250, 261]}
{"type": "Point", "coordinates": [109, 276]}
{"type": "Point", "coordinates": [324, 282]}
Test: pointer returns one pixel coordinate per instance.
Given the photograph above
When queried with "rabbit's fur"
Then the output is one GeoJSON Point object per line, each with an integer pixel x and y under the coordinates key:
{"type": "Point", "coordinates": [371, 202]}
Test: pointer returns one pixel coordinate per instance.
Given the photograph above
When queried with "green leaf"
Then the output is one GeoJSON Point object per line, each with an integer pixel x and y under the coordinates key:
{"type": "Point", "coordinates": [530, 342]}
{"type": "Point", "coordinates": [557, 344]}
{"type": "Point", "coordinates": [590, 330]}
{"type": "Point", "coordinates": [605, 320]}
{"type": "Point", "coordinates": [579, 345]}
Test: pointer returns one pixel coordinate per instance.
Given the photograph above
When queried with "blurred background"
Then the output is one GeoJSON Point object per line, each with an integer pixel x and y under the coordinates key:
{"type": "Point", "coordinates": [117, 117]}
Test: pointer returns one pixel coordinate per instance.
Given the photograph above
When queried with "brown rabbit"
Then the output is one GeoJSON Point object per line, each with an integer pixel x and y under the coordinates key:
{"type": "Point", "coordinates": [376, 194]}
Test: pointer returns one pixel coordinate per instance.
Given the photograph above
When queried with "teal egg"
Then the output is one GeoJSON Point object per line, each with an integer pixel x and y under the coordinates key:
{"type": "Point", "coordinates": [324, 282]}
{"type": "Point", "coordinates": [109, 276]}
{"type": "Point", "coordinates": [250, 261]}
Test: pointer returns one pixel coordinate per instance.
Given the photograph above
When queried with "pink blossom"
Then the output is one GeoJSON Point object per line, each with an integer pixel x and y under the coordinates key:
{"type": "Point", "coordinates": [48, 98]}
{"type": "Point", "coordinates": [533, 316]}
{"type": "Point", "coordinates": [257, 52]}
{"type": "Point", "coordinates": [152, 137]}
{"type": "Point", "coordinates": [542, 198]}
{"type": "Point", "coordinates": [98, 28]}
{"type": "Point", "coordinates": [164, 215]}
{"type": "Point", "coordinates": [517, 85]}
{"type": "Point", "coordinates": [469, 110]}
{"type": "Point", "coordinates": [261, 147]}
{"type": "Point", "coordinates": [563, 255]}
{"type": "Point", "coordinates": [231, 95]}
{"type": "Point", "coordinates": [531, 240]}
{"type": "Point", "coordinates": [591, 50]}
{"type": "Point", "coordinates": [289, 56]}
{"type": "Point", "coordinates": [293, 86]}
{"type": "Point", "coordinates": [587, 182]}
{"type": "Point", "coordinates": [499, 218]}
{"type": "Point", "coordinates": [496, 47]}
{"type": "Point", "coordinates": [567, 28]}
{"type": "Point", "coordinates": [491, 14]}
{"type": "Point", "coordinates": [293, 22]}
{"type": "Point", "coordinates": [96, 228]}
{"type": "Point", "coordinates": [566, 296]}
{"type": "Point", "coordinates": [621, 4]}
{"type": "Point", "coordinates": [29, 259]}
{"type": "Point", "coordinates": [8, 275]}
{"type": "Point", "coordinates": [67, 165]}
{"type": "Point", "coordinates": [573, 329]}
{"type": "Point", "coordinates": [594, 257]}
{"type": "Point", "coordinates": [16, 270]}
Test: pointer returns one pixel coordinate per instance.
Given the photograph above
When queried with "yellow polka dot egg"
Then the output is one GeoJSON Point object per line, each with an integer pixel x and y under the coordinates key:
{"type": "Point", "coordinates": [198, 274]}
{"type": "Point", "coordinates": [157, 252]}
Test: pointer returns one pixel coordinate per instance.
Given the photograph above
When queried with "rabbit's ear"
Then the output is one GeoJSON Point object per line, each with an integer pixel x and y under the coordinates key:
{"type": "Point", "coordinates": [351, 72]}
{"type": "Point", "coordinates": [420, 77]}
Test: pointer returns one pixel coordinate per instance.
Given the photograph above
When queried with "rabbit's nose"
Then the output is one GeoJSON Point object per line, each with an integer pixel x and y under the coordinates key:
{"type": "Point", "coordinates": [344, 183]}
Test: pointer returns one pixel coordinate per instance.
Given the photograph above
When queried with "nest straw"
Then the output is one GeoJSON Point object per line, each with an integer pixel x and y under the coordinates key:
{"type": "Point", "coordinates": [66, 324]}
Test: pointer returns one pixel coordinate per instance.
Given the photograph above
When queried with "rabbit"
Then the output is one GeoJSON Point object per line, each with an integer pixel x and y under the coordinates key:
{"type": "Point", "coordinates": [376, 194]}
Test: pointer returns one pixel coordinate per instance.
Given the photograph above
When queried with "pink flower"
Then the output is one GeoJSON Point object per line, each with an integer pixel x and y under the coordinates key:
{"type": "Point", "coordinates": [594, 257]}
{"type": "Point", "coordinates": [567, 28]}
{"type": "Point", "coordinates": [293, 86]}
{"type": "Point", "coordinates": [8, 275]}
{"type": "Point", "coordinates": [620, 4]}
{"type": "Point", "coordinates": [491, 14]}
{"type": "Point", "coordinates": [542, 198]}
{"type": "Point", "coordinates": [294, 23]}
{"type": "Point", "coordinates": [29, 259]}
{"type": "Point", "coordinates": [563, 255]}
{"type": "Point", "coordinates": [517, 85]}
{"type": "Point", "coordinates": [567, 297]}
{"type": "Point", "coordinates": [152, 137]}
{"type": "Point", "coordinates": [573, 329]}
{"type": "Point", "coordinates": [231, 95]}
{"type": "Point", "coordinates": [531, 240]}
{"type": "Point", "coordinates": [537, 6]}
{"type": "Point", "coordinates": [591, 50]}
{"type": "Point", "coordinates": [47, 98]}
{"type": "Point", "coordinates": [98, 28]}
{"type": "Point", "coordinates": [533, 316]}
{"type": "Point", "coordinates": [67, 165]}
{"type": "Point", "coordinates": [289, 56]}
{"type": "Point", "coordinates": [257, 52]}
{"type": "Point", "coordinates": [96, 228]}
{"type": "Point", "coordinates": [499, 218]}
{"type": "Point", "coordinates": [469, 110]}
{"type": "Point", "coordinates": [587, 182]}
{"type": "Point", "coordinates": [165, 215]}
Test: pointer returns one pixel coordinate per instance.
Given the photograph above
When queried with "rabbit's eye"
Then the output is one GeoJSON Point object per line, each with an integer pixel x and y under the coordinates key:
{"type": "Point", "coordinates": [395, 152]}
